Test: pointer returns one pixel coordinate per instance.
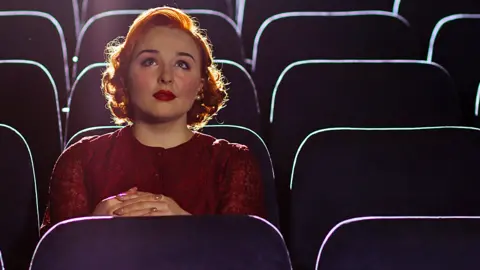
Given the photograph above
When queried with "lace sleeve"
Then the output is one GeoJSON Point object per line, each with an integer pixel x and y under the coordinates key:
{"type": "Point", "coordinates": [68, 195]}
{"type": "Point", "coordinates": [242, 188]}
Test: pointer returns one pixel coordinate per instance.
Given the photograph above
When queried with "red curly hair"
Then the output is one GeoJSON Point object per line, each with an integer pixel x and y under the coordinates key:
{"type": "Point", "coordinates": [213, 96]}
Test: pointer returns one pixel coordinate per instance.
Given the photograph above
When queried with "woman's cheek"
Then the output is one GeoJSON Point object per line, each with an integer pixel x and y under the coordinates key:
{"type": "Point", "coordinates": [188, 85]}
{"type": "Point", "coordinates": [143, 79]}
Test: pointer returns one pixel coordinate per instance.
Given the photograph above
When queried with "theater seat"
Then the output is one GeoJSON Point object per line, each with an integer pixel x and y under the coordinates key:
{"type": "Point", "coordinates": [176, 242]}
{"type": "Point", "coordinates": [18, 200]}
{"type": "Point", "coordinates": [399, 243]}
{"type": "Point", "coordinates": [424, 15]}
{"type": "Point", "coordinates": [29, 103]}
{"type": "Point", "coordinates": [65, 13]}
{"type": "Point", "coordinates": [36, 36]}
{"type": "Point", "coordinates": [454, 45]}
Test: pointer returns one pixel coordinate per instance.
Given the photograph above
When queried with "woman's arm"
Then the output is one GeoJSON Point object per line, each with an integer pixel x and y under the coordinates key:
{"type": "Point", "coordinates": [242, 189]}
{"type": "Point", "coordinates": [68, 195]}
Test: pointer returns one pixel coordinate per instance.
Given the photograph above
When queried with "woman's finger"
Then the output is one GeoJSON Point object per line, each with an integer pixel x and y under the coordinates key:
{"type": "Point", "coordinates": [158, 213]}
{"type": "Point", "coordinates": [126, 197]}
{"type": "Point", "coordinates": [144, 196]}
{"type": "Point", "coordinates": [137, 213]}
{"type": "Point", "coordinates": [130, 196]}
{"type": "Point", "coordinates": [131, 191]}
{"type": "Point", "coordinates": [154, 212]}
{"type": "Point", "coordinates": [160, 205]}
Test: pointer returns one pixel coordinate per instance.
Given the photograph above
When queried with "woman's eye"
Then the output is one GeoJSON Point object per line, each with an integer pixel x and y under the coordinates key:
{"type": "Point", "coordinates": [183, 65]}
{"type": "Point", "coordinates": [148, 62]}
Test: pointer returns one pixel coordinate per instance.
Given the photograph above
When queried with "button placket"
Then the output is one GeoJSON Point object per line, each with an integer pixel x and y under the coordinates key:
{"type": "Point", "coordinates": [157, 174]}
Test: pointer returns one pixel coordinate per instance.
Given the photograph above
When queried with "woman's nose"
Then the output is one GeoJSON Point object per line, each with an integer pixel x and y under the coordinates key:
{"type": "Point", "coordinates": [166, 81]}
{"type": "Point", "coordinates": [166, 76]}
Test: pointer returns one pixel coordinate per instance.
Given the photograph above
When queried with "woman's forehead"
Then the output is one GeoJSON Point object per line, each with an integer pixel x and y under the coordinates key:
{"type": "Point", "coordinates": [164, 38]}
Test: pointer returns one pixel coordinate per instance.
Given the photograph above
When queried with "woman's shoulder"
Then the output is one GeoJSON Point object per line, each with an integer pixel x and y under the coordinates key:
{"type": "Point", "coordinates": [94, 142]}
{"type": "Point", "coordinates": [232, 155]}
{"type": "Point", "coordinates": [222, 145]}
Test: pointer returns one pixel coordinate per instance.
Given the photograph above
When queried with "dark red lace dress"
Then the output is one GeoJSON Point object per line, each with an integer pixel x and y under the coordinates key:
{"type": "Point", "coordinates": [203, 175]}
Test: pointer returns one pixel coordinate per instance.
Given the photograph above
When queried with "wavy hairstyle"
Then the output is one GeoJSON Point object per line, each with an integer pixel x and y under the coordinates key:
{"type": "Point", "coordinates": [118, 54]}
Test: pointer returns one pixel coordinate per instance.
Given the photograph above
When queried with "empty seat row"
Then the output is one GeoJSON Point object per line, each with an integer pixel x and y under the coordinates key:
{"type": "Point", "coordinates": [244, 97]}
{"type": "Point", "coordinates": [344, 173]}
{"type": "Point", "coordinates": [374, 242]}
{"type": "Point", "coordinates": [249, 14]}
{"type": "Point", "coordinates": [317, 35]}
{"type": "Point", "coordinates": [364, 35]}
{"type": "Point", "coordinates": [71, 15]}
{"type": "Point", "coordinates": [421, 15]}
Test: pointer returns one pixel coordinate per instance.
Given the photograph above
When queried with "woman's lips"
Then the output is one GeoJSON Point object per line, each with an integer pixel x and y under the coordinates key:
{"type": "Point", "coordinates": [164, 95]}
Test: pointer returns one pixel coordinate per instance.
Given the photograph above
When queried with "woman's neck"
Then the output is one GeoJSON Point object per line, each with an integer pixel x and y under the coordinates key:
{"type": "Point", "coordinates": [165, 135]}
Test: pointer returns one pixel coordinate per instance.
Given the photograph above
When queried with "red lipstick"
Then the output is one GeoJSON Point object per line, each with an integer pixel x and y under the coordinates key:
{"type": "Point", "coordinates": [164, 95]}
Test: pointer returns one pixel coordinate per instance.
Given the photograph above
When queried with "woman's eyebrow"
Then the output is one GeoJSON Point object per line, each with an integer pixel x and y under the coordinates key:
{"type": "Point", "coordinates": [146, 51]}
{"type": "Point", "coordinates": [186, 54]}
{"type": "Point", "coordinates": [156, 51]}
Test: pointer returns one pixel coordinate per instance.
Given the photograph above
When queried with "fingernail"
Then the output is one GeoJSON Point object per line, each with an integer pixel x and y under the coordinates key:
{"type": "Point", "coordinates": [158, 197]}
{"type": "Point", "coordinates": [154, 209]}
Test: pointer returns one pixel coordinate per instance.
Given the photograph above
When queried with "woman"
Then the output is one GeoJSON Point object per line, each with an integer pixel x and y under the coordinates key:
{"type": "Point", "coordinates": [162, 82]}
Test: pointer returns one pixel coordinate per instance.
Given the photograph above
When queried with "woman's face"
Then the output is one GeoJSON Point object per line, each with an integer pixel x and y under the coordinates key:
{"type": "Point", "coordinates": [164, 76]}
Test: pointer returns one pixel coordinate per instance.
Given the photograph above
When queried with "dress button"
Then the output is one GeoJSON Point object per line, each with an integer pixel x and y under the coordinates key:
{"type": "Point", "coordinates": [159, 154]}
{"type": "Point", "coordinates": [157, 175]}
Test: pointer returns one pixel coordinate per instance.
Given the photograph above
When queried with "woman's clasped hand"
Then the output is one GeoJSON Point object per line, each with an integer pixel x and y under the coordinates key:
{"type": "Point", "coordinates": [134, 203]}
